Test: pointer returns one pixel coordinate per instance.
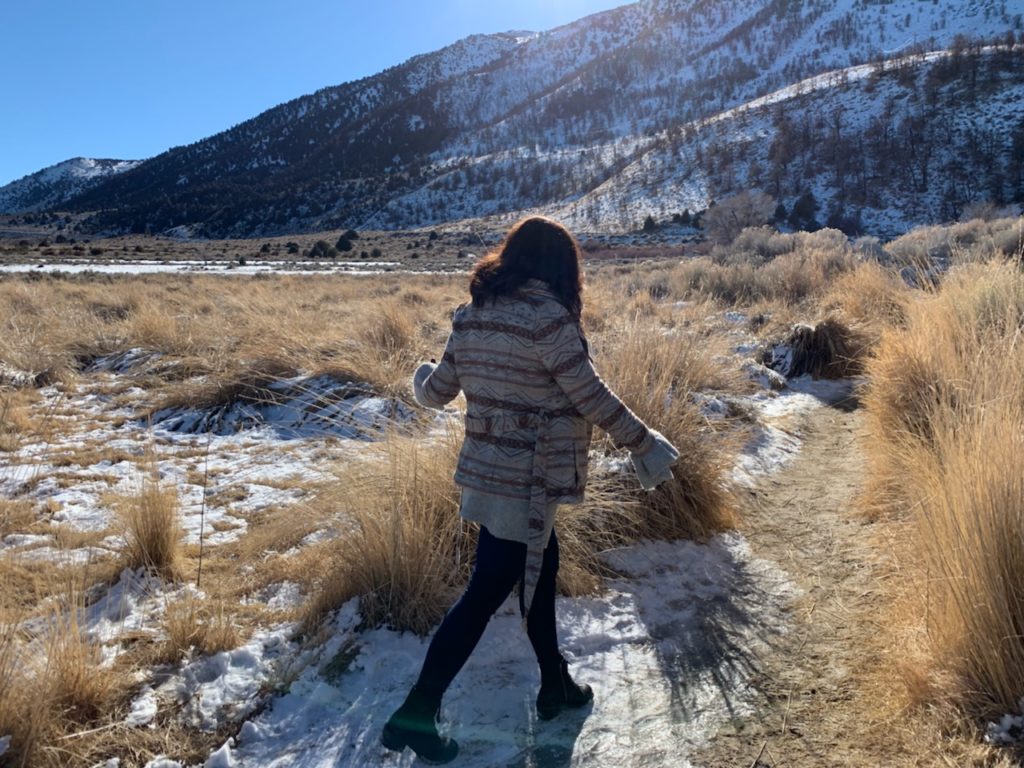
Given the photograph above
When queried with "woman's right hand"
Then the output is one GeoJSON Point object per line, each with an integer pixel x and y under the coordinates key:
{"type": "Point", "coordinates": [654, 465]}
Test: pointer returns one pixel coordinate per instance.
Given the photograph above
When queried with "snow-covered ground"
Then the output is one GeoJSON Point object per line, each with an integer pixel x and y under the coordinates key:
{"type": "Point", "coordinates": [212, 457]}
{"type": "Point", "coordinates": [671, 647]}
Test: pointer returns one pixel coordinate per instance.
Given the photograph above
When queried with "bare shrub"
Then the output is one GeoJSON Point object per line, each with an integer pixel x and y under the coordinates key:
{"type": "Point", "coordinates": [806, 272]}
{"type": "Point", "coordinates": [825, 239]}
{"type": "Point", "coordinates": [763, 242]}
{"type": "Point", "coordinates": [987, 211]}
{"type": "Point", "coordinates": [1008, 238]}
{"type": "Point", "coordinates": [920, 247]}
{"type": "Point", "coordinates": [728, 217]}
{"type": "Point", "coordinates": [801, 273]}
{"type": "Point", "coordinates": [737, 284]}
{"type": "Point", "coordinates": [870, 247]}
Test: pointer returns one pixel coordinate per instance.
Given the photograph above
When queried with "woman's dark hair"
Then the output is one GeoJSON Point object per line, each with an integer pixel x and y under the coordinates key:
{"type": "Point", "coordinates": [536, 247]}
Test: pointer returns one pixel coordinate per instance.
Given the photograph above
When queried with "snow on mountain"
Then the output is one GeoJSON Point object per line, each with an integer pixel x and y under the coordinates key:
{"type": "Point", "coordinates": [53, 186]}
{"type": "Point", "coordinates": [499, 124]}
{"type": "Point", "coordinates": [888, 147]}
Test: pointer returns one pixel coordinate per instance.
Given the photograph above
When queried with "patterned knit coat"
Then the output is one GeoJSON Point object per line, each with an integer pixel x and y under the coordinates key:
{"type": "Point", "coordinates": [532, 398]}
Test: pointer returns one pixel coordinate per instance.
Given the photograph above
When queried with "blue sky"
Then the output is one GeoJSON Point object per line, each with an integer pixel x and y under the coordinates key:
{"type": "Point", "coordinates": [129, 79]}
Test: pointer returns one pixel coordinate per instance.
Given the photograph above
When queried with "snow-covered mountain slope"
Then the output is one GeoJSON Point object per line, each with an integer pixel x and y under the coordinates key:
{"type": "Point", "coordinates": [502, 123]}
{"type": "Point", "coordinates": [878, 148]}
{"type": "Point", "coordinates": [54, 186]}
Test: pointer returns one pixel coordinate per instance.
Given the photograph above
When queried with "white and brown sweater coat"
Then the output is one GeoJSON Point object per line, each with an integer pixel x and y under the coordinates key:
{"type": "Point", "coordinates": [532, 398]}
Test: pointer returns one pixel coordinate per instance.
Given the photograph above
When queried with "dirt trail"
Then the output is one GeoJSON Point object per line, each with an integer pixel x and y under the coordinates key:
{"type": "Point", "coordinates": [803, 518]}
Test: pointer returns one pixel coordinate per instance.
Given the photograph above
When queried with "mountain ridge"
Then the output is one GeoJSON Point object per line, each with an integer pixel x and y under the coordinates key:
{"type": "Point", "coordinates": [500, 124]}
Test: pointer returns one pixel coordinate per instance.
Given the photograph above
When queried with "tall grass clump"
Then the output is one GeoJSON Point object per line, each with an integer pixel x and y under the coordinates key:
{"type": "Point", "coordinates": [406, 553]}
{"type": "Point", "coordinates": [190, 623]}
{"type": "Point", "coordinates": [14, 420]}
{"type": "Point", "coordinates": [934, 362]}
{"type": "Point", "coordinates": [974, 241]}
{"type": "Point", "coordinates": [52, 689]}
{"type": "Point", "coordinates": [78, 687]}
{"type": "Point", "coordinates": [152, 529]}
{"type": "Point", "coordinates": [19, 716]}
{"type": "Point", "coordinates": [971, 529]}
{"type": "Point", "coordinates": [831, 349]}
{"type": "Point", "coordinates": [870, 297]}
{"type": "Point", "coordinates": [946, 414]}
{"type": "Point", "coordinates": [656, 375]}
{"type": "Point", "coordinates": [388, 347]}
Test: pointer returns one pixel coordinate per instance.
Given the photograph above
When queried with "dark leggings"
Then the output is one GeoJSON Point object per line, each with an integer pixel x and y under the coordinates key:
{"type": "Point", "coordinates": [498, 568]}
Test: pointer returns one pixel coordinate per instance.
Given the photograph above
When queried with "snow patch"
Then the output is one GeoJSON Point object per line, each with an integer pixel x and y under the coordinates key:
{"type": "Point", "coordinates": [1009, 729]}
{"type": "Point", "coordinates": [226, 687]}
{"type": "Point", "coordinates": [293, 408]}
{"type": "Point", "coordinates": [143, 709]}
{"type": "Point", "coordinates": [222, 757]}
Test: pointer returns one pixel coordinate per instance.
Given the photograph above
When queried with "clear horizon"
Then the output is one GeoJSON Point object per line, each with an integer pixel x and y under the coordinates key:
{"type": "Point", "coordinates": [129, 81]}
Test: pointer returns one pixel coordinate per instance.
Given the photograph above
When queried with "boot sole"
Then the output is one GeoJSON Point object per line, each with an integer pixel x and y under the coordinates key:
{"type": "Point", "coordinates": [551, 712]}
{"type": "Point", "coordinates": [397, 742]}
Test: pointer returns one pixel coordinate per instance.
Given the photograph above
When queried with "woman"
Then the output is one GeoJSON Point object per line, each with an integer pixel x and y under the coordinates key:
{"type": "Point", "coordinates": [532, 395]}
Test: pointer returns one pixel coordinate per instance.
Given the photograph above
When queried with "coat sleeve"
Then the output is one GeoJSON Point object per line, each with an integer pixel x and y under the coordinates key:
{"type": "Point", "coordinates": [434, 386]}
{"type": "Point", "coordinates": [559, 341]}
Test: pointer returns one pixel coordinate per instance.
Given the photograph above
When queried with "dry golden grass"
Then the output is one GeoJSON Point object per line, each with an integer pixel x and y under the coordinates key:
{"type": "Point", "coordinates": [15, 420]}
{"type": "Point", "coordinates": [933, 365]}
{"type": "Point", "coordinates": [152, 530]}
{"type": "Point", "coordinates": [15, 516]}
{"type": "Point", "coordinates": [871, 297]}
{"type": "Point", "coordinates": [407, 551]}
{"type": "Point", "coordinates": [403, 550]}
{"type": "Point", "coordinates": [803, 273]}
{"type": "Point", "coordinates": [656, 374]}
{"type": "Point", "coordinates": [946, 415]}
{"type": "Point", "coordinates": [975, 241]}
{"type": "Point", "coordinates": [336, 322]}
{"type": "Point", "coordinates": [249, 383]}
{"type": "Point", "coordinates": [78, 686]}
{"type": "Point", "coordinates": [52, 688]}
{"type": "Point", "coordinates": [193, 624]}
{"type": "Point", "coordinates": [21, 710]}
{"type": "Point", "coordinates": [972, 532]}
{"type": "Point", "coordinates": [88, 455]}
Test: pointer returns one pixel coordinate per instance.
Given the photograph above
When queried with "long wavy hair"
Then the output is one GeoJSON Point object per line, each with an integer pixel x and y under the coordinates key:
{"type": "Point", "coordinates": [535, 247]}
